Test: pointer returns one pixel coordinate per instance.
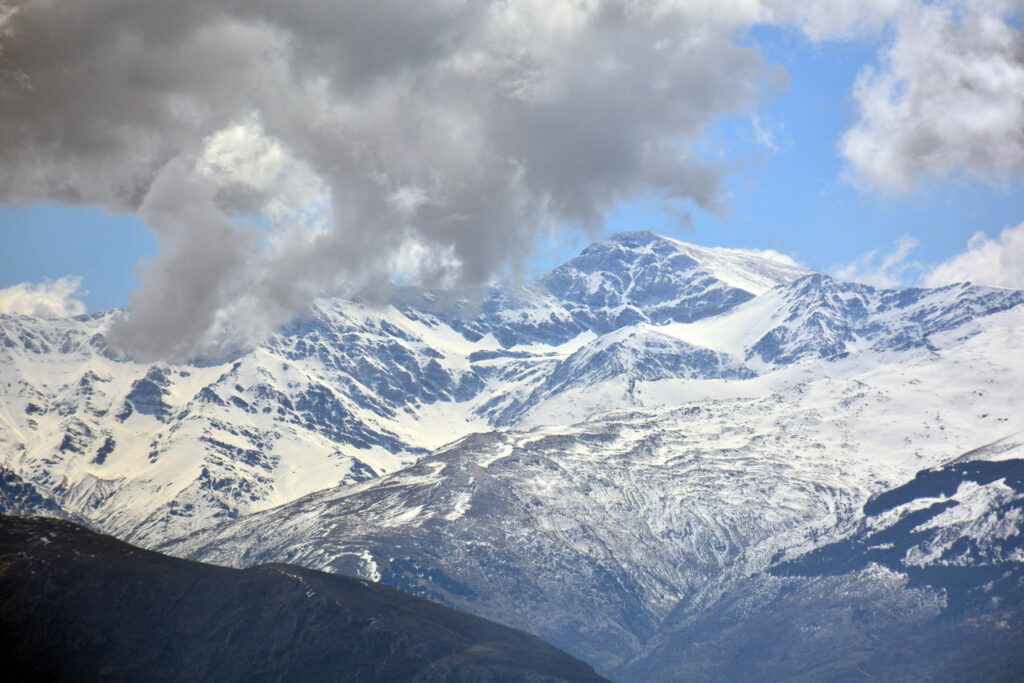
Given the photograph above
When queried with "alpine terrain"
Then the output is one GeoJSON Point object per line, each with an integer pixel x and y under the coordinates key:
{"type": "Point", "coordinates": [670, 461]}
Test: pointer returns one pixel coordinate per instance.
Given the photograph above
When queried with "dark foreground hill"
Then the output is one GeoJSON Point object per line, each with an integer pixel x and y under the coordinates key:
{"type": "Point", "coordinates": [75, 605]}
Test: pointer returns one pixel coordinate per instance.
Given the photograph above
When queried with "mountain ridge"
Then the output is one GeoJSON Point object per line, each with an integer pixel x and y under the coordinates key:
{"type": "Point", "coordinates": [78, 605]}
{"type": "Point", "coordinates": [348, 393]}
{"type": "Point", "coordinates": [354, 392]}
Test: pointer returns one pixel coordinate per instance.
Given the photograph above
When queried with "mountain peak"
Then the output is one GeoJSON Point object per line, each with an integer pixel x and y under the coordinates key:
{"type": "Point", "coordinates": [752, 271]}
{"type": "Point", "coordinates": [636, 238]}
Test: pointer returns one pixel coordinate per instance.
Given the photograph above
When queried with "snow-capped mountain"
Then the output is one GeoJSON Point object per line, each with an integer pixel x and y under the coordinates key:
{"type": "Point", "coordinates": [635, 515]}
{"type": "Point", "coordinates": [630, 444]}
{"type": "Point", "coordinates": [966, 513]}
{"type": "Point", "coordinates": [150, 452]}
{"type": "Point", "coordinates": [643, 277]}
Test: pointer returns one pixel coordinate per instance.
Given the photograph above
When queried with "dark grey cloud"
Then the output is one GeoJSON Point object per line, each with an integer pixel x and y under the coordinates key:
{"type": "Point", "coordinates": [436, 137]}
{"type": "Point", "coordinates": [442, 135]}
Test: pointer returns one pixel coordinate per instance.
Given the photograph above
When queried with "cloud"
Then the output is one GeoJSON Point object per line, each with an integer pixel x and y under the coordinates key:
{"type": "Point", "coordinates": [47, 300]}
{"type": "Point", "coordinates": [202, 272]}
{"type": "Point", "coordinates": [764, 135]}
{"type": "Point", "coordinates": [280, 150]}
{"type": "Point", "coordinates": [358, 133]}
{"type": "Point", "coordinates": [886, 270]}
{"type": "Point", "coordinates": [948, 97]}
{"type": "Point", "coordinates": [993, 262]}
{"type": "Point", "coordinates": [773, 255]}
{"type": "Point", "coordinates": [832, 19]}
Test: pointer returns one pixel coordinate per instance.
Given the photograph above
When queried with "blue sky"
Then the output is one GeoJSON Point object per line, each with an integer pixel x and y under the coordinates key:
{"type": "Point", "coordinates": [797, 199]}
{"type": "Point", "coordinates": [891, 141]}
{"type": "Point", "coordinates": [51, 241]}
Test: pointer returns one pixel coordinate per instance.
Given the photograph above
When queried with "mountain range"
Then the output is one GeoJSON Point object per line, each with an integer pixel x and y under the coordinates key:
{"type": "Point", "coordinates": [640, 457]}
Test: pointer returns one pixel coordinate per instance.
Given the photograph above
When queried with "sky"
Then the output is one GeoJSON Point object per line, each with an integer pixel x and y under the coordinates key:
{"type": "Point", "coordinates": [215, 166]}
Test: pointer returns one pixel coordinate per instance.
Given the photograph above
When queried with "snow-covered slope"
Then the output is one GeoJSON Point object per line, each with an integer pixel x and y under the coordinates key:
{"type": "Point", "coordinates": [642, 277]}
{"type": "Point", "coordinates": [659, 508]}
{"type": "Point", "coordinates": [150, 452]}
{"type": "Point", "coordinates": [819, 316]}
{"type": "Point", "coordinates": [926, 584]}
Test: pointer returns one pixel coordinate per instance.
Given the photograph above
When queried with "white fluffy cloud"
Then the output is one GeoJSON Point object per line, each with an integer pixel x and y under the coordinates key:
{"type": "Point", "coordinates": [885, 269]}
{"type": "Point", "coordinates": [832, 19]}
{"type": "Point", "coordinates": [948, 97]}
{"type": "Point", "coordinates": [56, 299]}
{"type": "Point", "coordinates": [773, 255]}
{"type": "Point", "coordinates": [994, 262]}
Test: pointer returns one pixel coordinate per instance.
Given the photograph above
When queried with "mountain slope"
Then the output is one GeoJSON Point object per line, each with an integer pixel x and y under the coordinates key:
{"type": "Point", "coordinates": [644, 511]}
{"type": "Point", "coordinates": [929, 585]}
{"type": "Point", "coordinates": [638, 353]}
{"type": "Point", "coordinates": [20, 497]}
{"type": "Point", "coordinates": [78, 606]}
{"type": "Point", "coordinates": [820, 316]}
{"type": "Point", "coordinates": [150, 452]}
{"type": "Point", "coordinates": [662, 507]}
{"type": "Point", "coordinates": [642, 277]}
